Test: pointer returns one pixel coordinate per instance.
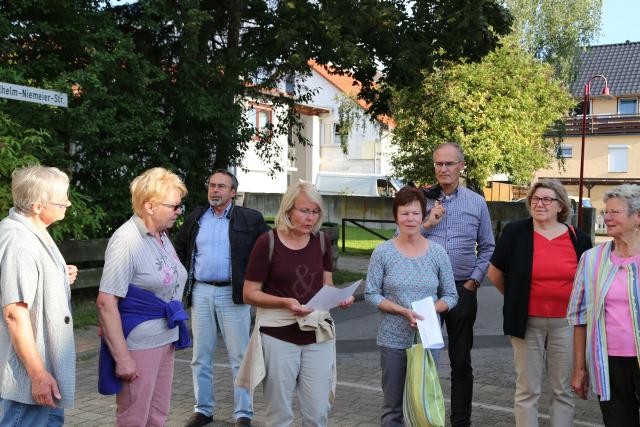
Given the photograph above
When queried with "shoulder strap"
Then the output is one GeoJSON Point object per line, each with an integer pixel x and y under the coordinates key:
{"type": "Point", "coordinates": [271, 243]}
{"type": "Point", "coordinates": [574, 239]}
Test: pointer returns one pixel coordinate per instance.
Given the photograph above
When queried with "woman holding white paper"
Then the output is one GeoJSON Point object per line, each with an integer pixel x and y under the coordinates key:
{"type": "Point", "coordinates": [294, 344]}
{"type": "Point", "coordinates": [404, 269]}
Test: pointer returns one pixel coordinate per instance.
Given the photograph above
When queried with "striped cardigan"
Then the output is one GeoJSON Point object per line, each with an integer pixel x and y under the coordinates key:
{"type": "Point", "coordinates": [586, 307]}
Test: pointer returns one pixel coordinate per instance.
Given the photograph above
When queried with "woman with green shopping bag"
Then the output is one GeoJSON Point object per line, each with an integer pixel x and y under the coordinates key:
{"type": "Point", "coordinates": [404, 269]}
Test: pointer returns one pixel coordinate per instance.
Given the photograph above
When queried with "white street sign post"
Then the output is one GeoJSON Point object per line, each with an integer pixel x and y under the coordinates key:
{"type": "Point", "coordinates": [33, 94]}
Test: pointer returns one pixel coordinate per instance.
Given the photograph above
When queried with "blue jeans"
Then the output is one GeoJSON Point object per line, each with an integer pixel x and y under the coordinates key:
{"type": "Point", "coordinates": [213, 306]}
{"type": "Point", "coordinates": [16, 414]}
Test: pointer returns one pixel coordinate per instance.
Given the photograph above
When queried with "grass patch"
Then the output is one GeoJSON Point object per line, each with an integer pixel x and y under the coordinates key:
{"type": "Point", "coordinates": [360, 242]}
{"type": "Point", "coordinates": [340, 277]}
{"type": "Point", "coordinates": [83, 304]}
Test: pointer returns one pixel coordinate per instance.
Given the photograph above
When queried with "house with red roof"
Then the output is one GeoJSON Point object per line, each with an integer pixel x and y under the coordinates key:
{"type": "Point", "coordinates": [364, 149]}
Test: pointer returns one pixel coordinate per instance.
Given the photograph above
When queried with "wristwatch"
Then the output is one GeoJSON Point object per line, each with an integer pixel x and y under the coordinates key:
{"type": "Point", "coordinates": [475, 282]}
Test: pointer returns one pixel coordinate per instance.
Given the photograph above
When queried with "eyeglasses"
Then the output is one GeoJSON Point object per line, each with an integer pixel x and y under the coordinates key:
{"type": "Point", "coordinates": [614, 213]}
{"type": "Point", "coordinates": [440, 165]}
{"type": "Point", "coordinates": [64, 205]}
{"type": "Point", "coordinates": [307, 212]}
{"type": "Point", "coordinates": [213, 186]}
{"type": "Point", "coordinates": [174, 207]}
{"type": "Point", "coordinates": [546, 201]}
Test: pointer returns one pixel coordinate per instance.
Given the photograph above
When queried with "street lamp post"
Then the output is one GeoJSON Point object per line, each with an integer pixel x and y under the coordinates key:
{"type": "Point", "coordinates": [585, 105]}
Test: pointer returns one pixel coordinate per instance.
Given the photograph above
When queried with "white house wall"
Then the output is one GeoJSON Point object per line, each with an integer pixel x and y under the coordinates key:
{"type": "Point", "coordinates": [368, 151]}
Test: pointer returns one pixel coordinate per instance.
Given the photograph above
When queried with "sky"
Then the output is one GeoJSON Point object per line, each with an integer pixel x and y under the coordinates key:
{"type": "Point", "coordinates": [620, 21]}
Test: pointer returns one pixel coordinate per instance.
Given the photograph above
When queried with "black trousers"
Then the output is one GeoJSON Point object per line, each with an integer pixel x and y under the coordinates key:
{"type": "Point", "coordinates": [624, 379]}
{"type": "Point", "coordinates": [459, 323]}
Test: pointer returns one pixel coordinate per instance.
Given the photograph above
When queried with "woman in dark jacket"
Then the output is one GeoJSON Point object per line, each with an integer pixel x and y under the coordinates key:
{"type": "Point", "coordinates": [533, 265]}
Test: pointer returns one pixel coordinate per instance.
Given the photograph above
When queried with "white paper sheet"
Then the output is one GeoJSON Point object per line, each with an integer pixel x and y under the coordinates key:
{"type": "Point", "coordinates": [429, 328]}
{"type": "Point", "coordinates": [330, 297]}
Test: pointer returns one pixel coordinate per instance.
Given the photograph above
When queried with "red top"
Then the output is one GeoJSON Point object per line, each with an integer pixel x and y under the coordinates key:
{"type": "Point", "coordinates": [554, 266]}
{"type": "Point", "coordinates": [292, 274]}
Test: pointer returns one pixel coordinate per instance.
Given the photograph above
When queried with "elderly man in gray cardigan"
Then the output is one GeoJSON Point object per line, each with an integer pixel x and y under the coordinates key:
{"type": "Point", "coordinates": [37, 353]}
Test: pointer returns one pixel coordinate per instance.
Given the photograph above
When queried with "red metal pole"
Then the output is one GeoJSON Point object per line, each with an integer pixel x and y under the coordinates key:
{"type": "Point", "coordinates": [585, 105]}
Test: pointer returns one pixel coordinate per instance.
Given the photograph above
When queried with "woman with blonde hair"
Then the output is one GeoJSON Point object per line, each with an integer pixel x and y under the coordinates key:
{"type": "Point", "coordinates": [141, 314]}
{"type": "Point", "coordinates": [37, 352]}
{"type": "Point", "coordinates": [292, 347]}
{"type": "Point", "coordinates": [533, 266]}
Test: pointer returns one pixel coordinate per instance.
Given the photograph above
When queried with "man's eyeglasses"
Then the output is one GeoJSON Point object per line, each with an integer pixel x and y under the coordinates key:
{"type": "Point", "coordinates": [546, 201]}
{"type": "Point", "coordinates": [64, 205]}
{"type": "Point", "coordinates": [307, 212]}
{"type": "Point", "coordinates": [213, 186]}
{"type": "Point", "coordinates": [175, 208]}
{"type": "Point", "coordinates": [440, 165]}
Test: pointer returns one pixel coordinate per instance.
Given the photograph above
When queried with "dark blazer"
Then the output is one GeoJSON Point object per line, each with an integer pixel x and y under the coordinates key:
{"type": "Point", "coordinates": [245, 226]}
{"type": "Point", "coordinates": [514, 257]}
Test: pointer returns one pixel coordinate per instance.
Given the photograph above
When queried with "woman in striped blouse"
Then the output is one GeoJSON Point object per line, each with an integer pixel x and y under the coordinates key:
{"type": "Point", "coordinates": [605, 314]}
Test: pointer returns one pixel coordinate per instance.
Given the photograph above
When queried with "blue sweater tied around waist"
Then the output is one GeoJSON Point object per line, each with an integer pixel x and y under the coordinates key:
{"type": "Point", "coordinates": [140, 305]}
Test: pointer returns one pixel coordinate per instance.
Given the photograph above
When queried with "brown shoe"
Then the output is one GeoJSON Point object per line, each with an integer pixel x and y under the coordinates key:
{"type": "Point", "coordinates": [243, 422]}
{"type": "Point", "coordinates": [198, 420]}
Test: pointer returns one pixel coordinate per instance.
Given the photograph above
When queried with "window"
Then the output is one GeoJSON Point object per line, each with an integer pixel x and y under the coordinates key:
{"type": "Point", "coordinates": [565, 151]}
{"type": "Point", "coordinates": [331, 134]}
{"type": "Point", "coordinates": [628, 106]}
{"type": "Point", "coordinates": [618, 158]}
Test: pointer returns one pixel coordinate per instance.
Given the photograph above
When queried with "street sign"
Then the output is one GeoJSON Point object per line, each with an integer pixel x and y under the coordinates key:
{"type": "Point", "coordinates": [33, 94]}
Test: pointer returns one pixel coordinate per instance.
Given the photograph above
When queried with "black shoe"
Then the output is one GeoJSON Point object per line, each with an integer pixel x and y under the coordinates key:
{"type": "Point", "coordinates": [198, 419]}
{"type": "Point", "coordinates": [243, 422]}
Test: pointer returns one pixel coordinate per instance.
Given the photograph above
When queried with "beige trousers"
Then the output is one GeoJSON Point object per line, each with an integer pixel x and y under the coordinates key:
{"type": "Point", "coordinates": [547, 345]}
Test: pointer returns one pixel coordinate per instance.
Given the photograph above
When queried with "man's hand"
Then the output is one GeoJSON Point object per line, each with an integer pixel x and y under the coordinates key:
{"type": "Point", "coordinates": [44, 388]}
{"type": "Point", "coordinates": [347, 303]}
{"type": "Point", "coordinates": [435, 215]}
{"type": "Point", "coordinates": [471, 285]}
{"type": "Point", "coordinates": [72, 273]}
{"type": "Point", "coordinates": [126, 369]}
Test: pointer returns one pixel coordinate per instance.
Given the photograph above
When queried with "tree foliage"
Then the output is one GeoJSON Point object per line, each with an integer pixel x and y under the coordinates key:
{"type": "Point", "coordinates": [554, 30]}
{"type": "Point", "coordinates": [498, 110]}
{"type": "Point", "coordinates": [167, 83]}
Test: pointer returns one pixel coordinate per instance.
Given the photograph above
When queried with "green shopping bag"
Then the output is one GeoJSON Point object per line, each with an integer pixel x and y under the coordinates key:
{"type": "Point", "coordinates": [423, 404]}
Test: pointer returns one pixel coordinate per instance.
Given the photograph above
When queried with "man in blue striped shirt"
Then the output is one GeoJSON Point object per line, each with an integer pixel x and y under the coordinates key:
{"type": "Point", "coordinates": [458, 219]}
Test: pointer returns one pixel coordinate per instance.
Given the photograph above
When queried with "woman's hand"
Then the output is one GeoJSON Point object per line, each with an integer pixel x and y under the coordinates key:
{"type": "Point", "coordinates": [412, 317]}
{"type": "Point", "coordinates": [72, 273]}
{"type": "Point", "coordinates": [44, 388]}
{"type": "Point", "coordinates": [347, 303]}
{"type": "Point", "coordinates": [580, 383]}
{"type": "Point", "coordinates": [296, 308]}
{"type": "Point", "coordinates": [126, 369]}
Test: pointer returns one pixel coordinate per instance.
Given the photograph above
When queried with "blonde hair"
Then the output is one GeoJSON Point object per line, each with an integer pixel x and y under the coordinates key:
{"type": "Point", "coordinates": [561, 194]}
{"type": "Point", "coordinates": [282, 220]}
{"type": "Point", "coordinates": [36, 184]}
{"type": "Point", "coordinates": [152, 186]}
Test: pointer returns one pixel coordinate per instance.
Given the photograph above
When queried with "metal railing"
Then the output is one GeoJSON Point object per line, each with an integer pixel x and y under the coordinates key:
{"type": "Point", "coordinates": [356, 221]}
{"type": "Point", "coordinates": [610, 124]}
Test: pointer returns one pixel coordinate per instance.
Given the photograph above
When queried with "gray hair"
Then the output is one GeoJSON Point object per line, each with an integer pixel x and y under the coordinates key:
{"type": "Point", "coordinates": [37, 184]}
{"type": "Point", "coordinates": [561, 194]}
{"type": "Point", "coordinates": [451, 144]}
{"type": "Point", "coordinates": [630, 193]}
{"type": "Point", "coordinates": [282, 221]}
{"type": "Point", "coordinates": [234, 180]}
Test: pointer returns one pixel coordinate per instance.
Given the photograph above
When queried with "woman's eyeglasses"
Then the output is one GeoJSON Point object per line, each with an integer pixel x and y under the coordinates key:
{"type": "Point", "coordinates": [546, 201]}
{"type": "Point", "coordinates": [175, 208]}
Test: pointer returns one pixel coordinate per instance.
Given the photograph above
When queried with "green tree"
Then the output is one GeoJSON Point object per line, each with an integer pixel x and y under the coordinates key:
{"type": "Point", "coordinates": [498, 110]}
{"type": "Point", "coordinates": [555, 30]}
{"type": "Point", "coordinates": [166, 83]}
{"type": "Point", "coordinates": [21, 147]}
